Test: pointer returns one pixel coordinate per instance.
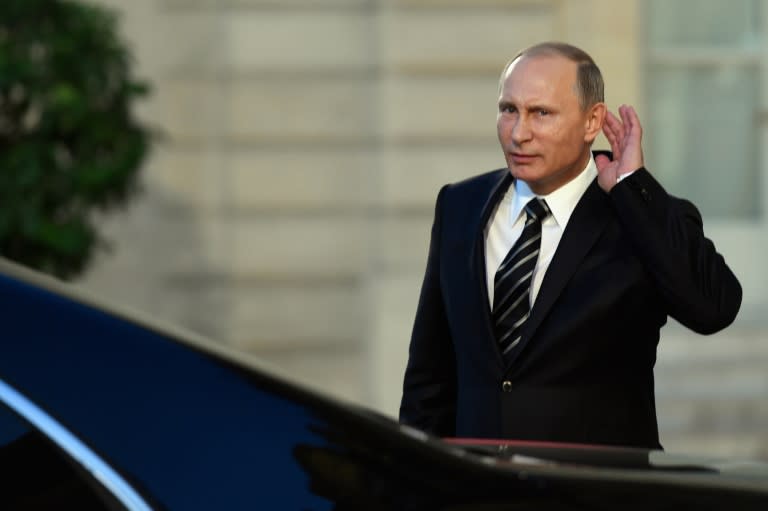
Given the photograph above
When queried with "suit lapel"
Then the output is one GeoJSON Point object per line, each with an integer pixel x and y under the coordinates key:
{"type": "Point", "coordinates": [478, 257]}
{"type": "Point", "coordinates": [584, 227]}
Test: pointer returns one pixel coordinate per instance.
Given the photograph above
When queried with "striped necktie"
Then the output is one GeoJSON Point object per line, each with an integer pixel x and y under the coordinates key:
{"type": "Point", "coordinates": [512, 283]}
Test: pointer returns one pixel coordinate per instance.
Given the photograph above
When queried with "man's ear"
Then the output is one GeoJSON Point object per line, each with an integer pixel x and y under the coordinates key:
{"type": "Point", "coordinates": [594, 121]}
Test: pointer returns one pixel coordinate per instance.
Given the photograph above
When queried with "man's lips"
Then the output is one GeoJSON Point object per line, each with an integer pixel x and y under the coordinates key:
{"type": "Point", "coordinates": [521, 158]}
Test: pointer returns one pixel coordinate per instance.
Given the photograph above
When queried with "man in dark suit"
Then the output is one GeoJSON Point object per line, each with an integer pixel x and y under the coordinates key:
{"type": "Point", "coordinates": [565, 350]}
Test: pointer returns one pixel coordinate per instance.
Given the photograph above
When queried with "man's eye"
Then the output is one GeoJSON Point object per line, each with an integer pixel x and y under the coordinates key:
{"type": "Point", "coordinates": [508, 109]}
{"type": "Point", "coordinates": [542, 112]}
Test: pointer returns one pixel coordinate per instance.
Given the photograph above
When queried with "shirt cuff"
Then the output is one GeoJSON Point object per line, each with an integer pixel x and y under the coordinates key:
{"type": "Point", "coordinates": [622, 176]}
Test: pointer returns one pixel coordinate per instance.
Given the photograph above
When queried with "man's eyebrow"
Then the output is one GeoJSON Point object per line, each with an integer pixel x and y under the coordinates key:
{"type": "Point", "coordinates": [539, 106]}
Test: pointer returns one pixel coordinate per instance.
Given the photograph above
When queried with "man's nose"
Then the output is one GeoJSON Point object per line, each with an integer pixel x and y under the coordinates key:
{"type": "Point", "coordinates": [521, 132]}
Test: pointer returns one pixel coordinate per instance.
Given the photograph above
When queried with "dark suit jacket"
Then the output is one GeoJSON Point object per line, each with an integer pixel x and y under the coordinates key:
{"type": "Point", "coordinates": [584, 372]}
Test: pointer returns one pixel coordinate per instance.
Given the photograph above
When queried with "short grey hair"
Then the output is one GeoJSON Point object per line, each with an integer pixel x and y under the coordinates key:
{"type": "Point", "coordinates": [589, 79]}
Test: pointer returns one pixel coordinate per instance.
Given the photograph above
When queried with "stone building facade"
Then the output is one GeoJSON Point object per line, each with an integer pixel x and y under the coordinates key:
{"type": "Point", "coordinates": [287, 206]}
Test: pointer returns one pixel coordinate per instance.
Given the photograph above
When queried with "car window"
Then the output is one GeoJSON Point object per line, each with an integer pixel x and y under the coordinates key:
{"type": "Point", "coordinates": [35, 474]}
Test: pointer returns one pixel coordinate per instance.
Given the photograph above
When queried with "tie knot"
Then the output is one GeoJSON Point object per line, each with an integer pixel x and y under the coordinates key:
{"type": "Point", "coordinates": [537, 208]}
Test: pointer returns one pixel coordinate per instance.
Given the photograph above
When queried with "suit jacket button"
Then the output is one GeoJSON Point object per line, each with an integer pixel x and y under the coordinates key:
{"type": "Point", "coordinates": [506, 386]}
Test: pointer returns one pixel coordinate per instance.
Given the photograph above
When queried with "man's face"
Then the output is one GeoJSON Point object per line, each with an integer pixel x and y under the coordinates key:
{"type": "Point", "coordinates": [543, 131]}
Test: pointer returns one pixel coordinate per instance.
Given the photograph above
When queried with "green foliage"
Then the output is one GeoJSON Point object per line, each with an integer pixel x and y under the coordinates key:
{"type": "Point", "coordinates": [69, 144]}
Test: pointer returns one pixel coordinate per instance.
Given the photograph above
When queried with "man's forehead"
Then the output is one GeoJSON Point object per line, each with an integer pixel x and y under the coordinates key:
{"type": "Point", "coordinates": [547, 70]}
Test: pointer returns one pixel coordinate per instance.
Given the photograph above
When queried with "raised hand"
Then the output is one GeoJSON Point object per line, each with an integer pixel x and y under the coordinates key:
{"type": "Point", "coordinates": [625, 136]}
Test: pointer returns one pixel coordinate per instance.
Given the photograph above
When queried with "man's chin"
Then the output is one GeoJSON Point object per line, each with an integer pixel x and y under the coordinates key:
{"type": "Point", "coordinates": [525, 173]}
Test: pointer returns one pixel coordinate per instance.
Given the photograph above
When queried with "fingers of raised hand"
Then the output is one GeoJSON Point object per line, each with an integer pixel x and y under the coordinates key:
{"type": "Point", "coordinates": [625, 115]}
{"type": "Point", "coordinates": [636, 127]}
{"type": "Point", "coordinates": [614, 132]}
{"type": "Point", "coordinates": [619, 126]}
{"type": "Point", "coordinates": [632, 141]}
{"type": "Point", "coordinates": [611, 136]}
{"type": "Point", "coordinates": [631, 121]}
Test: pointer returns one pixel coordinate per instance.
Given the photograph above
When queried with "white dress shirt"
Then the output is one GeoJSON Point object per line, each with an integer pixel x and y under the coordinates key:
{"type": "Point", "coordinates": [507, 223]}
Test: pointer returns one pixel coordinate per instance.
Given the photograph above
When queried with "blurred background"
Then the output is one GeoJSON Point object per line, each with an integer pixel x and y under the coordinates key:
{"type": "Point", "coordinates": [286, 208]}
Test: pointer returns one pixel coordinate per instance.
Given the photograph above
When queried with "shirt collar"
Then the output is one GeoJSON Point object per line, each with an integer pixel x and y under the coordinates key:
{"type": "Point", "coordinates": [561, 202]}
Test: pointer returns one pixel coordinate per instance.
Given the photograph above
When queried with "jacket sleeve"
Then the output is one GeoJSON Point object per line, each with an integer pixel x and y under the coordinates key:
{"type": "Point", "coordinates": [429, 387]}
{"type": "Point", "coordinates": [697, 286]}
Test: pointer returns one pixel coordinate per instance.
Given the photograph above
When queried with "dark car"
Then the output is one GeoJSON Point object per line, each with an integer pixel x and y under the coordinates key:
{"type": "Point", "coordinates": [103, 410]}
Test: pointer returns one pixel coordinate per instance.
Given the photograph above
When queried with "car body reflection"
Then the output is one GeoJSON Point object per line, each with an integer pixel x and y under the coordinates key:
{"type": "Point", "coordinates": [102, 409]}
